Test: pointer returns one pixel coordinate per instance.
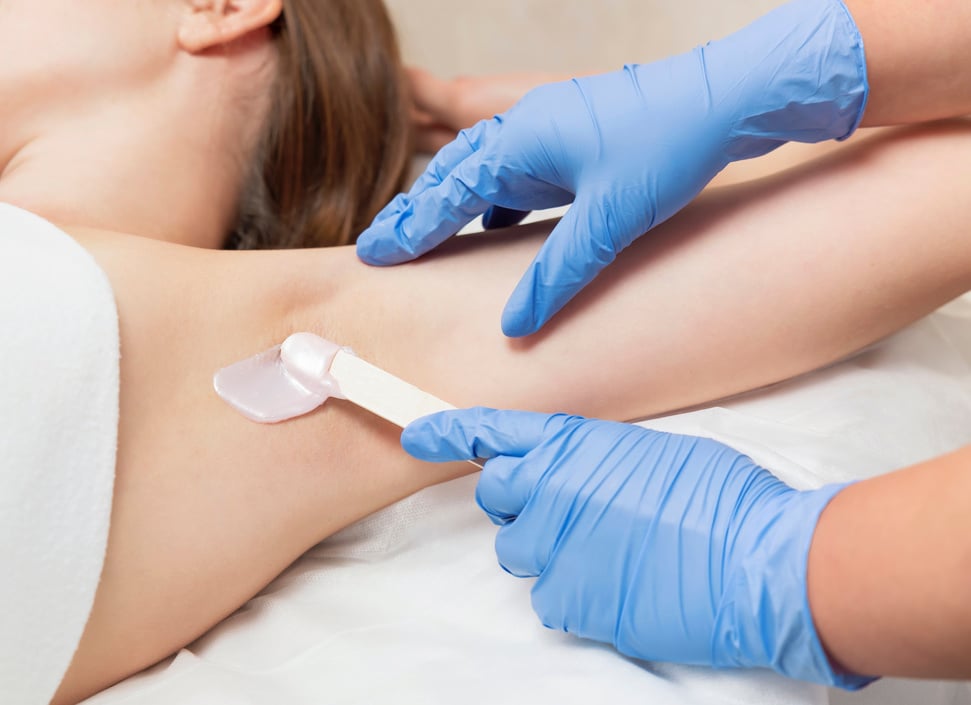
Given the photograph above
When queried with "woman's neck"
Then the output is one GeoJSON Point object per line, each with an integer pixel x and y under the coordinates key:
{"type": "Point", "coordinates": [135, 163]}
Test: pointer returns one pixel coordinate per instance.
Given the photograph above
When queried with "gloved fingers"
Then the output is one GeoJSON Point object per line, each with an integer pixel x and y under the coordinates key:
{"type": "Point", "coordinates": [547, 603]}
{"type": "Point", "coordinates": [395, 206]}
{"type": "Point", "coordinates": [478, 433]}
{"type": "Point", "coordinates": [428, 219]}
{"type": "Point", "coordinates": [444, 162]}
{"type": "Point", "coordinates": [499, 217]}
{"type": "Point", "coordinates": [505, 486]}
{"type": "Point", "coordinates": [465, 144]}
{"type": "Point", "coordinates": [579, 247]}
{"type": "Point", "coordinates": [441, 165]}
{"type": "Point", "coordinates": [524, 545]}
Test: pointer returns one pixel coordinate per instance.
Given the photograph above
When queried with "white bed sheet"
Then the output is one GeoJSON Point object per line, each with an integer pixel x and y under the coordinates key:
{"type": "Point", "coordinates": [409, 605]}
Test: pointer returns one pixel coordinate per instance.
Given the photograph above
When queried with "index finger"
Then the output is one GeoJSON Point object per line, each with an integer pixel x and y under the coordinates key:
{"type": "Point", "coordinates": [438, 205]}
{"type": "Point", "coordinates": [428, 219]}
{"type": "Point", "coordinates": [478, 433]}
{"type": "Point", "coordinates": [465, 144]}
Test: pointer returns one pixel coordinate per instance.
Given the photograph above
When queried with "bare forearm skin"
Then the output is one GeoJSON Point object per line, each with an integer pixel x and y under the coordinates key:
{"type": "Point", "coordinates": [890, 572]}
{"type": "Point", "coordinates": [918, 59]}
{"type": "Point", "coordinates": [750, 285]}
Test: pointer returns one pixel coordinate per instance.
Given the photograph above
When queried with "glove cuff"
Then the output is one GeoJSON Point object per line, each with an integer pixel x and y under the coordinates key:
{"type": "Point", "coordinates": [797, 74]}
{"type": "Point", "coordinates": [764, 619]}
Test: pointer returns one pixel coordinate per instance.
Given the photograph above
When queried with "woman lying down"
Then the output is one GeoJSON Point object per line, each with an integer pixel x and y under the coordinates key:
{"type": "Point", "coordinates": [148, 132]}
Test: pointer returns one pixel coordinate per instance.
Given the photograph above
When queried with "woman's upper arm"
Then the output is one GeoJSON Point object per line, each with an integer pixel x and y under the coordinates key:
{"type": "Point", "coordinates": [208, 506]}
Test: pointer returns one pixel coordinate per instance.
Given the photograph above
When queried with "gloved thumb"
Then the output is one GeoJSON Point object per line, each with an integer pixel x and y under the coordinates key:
{"type": "Point", "coordinates": [478, 433]}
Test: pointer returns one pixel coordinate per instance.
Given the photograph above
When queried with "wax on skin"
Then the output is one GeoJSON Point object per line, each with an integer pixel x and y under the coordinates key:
{"type": "Point", "coordinates": [285, 382]}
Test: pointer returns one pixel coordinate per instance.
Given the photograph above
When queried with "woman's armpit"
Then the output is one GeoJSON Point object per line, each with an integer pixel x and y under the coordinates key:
{"type": "Point", "coordinates": [209, 506]}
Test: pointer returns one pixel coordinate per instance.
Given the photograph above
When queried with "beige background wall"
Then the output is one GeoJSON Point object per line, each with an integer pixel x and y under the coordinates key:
{"type": "Point", "coordinates": [454, 37]}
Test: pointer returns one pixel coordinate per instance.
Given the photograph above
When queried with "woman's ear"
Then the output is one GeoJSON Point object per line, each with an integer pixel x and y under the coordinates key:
{"type": "Point", "coordinates": [211, 23]}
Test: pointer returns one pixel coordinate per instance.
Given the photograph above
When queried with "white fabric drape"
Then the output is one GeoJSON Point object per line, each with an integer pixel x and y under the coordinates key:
{"type": "Point", "coordinates": [58, 431]}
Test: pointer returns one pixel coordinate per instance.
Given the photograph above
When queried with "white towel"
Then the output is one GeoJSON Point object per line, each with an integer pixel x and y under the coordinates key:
{"type": "Point", "coordinates": [58, 432]}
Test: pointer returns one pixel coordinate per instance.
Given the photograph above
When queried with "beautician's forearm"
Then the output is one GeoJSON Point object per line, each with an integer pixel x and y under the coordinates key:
{"type": "Point", "coordinates": [918, 59]}
{"type": "Point", "coordinates": [890, 572]}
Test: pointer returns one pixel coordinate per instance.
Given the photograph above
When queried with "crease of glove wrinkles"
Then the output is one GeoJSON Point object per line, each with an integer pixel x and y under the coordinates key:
{"type": "Point", "coordinates": [671, 548]}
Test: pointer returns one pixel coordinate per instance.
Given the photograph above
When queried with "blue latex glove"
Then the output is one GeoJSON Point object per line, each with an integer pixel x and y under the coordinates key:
{"type": "Point", "coordinates": [672, 548]}
{"type": "Point", "coordinates": [630, 149]}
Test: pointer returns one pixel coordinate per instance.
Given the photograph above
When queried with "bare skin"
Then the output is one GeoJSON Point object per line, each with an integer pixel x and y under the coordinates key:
{"type": "Point", "coordinates": [889, 571]}
{"type": "Point", "coordinates": [210, 507]}
{"type": "Point", "coordinates": [165, 106]}
{"type": "Point", "coordinates": [918, 59]}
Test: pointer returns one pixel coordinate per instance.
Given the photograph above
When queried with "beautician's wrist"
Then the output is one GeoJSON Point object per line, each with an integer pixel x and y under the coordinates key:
{"type": "Point", "coordinates": [797, 74]}
{"type": "Point", "coordinates": [765, 620]}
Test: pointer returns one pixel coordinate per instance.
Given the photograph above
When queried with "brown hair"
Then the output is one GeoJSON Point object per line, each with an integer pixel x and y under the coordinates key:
{"type": "Point", "coordinates": [337, 143]}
